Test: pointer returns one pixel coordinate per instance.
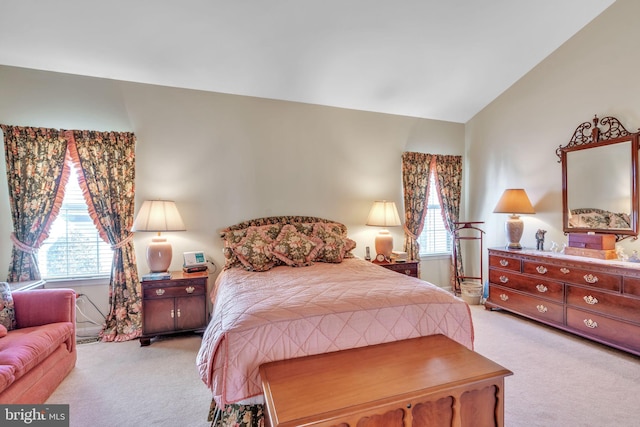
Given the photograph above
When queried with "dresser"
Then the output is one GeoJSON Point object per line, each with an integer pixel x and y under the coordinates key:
{"type": "Point", "coordinates": [177, 304]}
{"type": "Point", "coordinates": [593, 298]}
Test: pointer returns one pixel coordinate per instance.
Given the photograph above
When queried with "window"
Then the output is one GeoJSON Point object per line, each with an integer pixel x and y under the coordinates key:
{"type": "Point", "coordinates": [74, 249]}
{"type": "Point", "coordinates": [434, 239]}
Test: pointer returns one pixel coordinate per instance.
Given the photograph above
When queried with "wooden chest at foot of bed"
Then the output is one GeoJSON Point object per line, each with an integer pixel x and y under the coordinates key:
{"type": "Point", "coordinates": [422, 381]}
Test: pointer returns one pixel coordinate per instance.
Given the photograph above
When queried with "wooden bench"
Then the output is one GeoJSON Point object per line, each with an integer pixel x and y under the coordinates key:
{"type": "Point", "coordinates": [426, 381]}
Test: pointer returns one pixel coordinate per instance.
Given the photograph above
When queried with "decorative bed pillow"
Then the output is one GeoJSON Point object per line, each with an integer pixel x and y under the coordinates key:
{"type": "Point", "coordinates": [7, 311]}
{"type": "Point", "coordinates": [294, 248]}
{"type": "Point", "coordinates": [254, 250]}
{"type": "Point", "coordinates": [335, 245]}
{"type": "Point", "coordinates": [233, 237]}
{"type": "Point", "coordinates": [3, 331]}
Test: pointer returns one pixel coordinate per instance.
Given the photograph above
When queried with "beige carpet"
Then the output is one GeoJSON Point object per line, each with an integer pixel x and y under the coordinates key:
{"type": "Point", "coordinates": [559, 380]}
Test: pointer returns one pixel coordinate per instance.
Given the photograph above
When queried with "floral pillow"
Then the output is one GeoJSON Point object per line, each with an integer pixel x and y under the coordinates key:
{"type": "Point", "coordinates": [233, 237]}
{"type": "Point", "coordinates": [7, 311]}
{"type": "Point", "coordinates": [335, 245]}
{"type": "Point", "coordinates": [294, 248]}
{"type": "Point", "coordinates": [254, 250]}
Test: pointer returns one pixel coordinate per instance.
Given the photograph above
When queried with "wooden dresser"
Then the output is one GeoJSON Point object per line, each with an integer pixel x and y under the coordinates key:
{"type": "Point", "coordinates": [596, 299]}
{"type": "Point", "coordinates": [419, 382]}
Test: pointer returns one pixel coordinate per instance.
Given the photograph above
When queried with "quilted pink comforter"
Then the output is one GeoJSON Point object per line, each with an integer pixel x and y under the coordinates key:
{"type": "Point", "coordinates": [288, 312]}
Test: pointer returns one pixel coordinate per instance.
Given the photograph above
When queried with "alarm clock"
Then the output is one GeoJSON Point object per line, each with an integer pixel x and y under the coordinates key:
{"type": "Point", "coordinates": [381, 258]}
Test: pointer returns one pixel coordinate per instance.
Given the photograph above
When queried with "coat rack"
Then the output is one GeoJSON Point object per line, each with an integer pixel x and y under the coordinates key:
{"type": "Point", "coordinates": [472, 233]}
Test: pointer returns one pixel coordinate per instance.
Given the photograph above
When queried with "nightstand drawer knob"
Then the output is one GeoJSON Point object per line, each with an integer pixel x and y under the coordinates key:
{"type": "Point", "coordinates": [591, 300]}
{"type": "Point", "coordinates": [541, 269]}
{"type": "Point", "coordinates": [190, 289]}
{"type": "Point", "coordinates": [159, 292]}
{"type": "Point", "coordinates": [504, 262]}
{"type": "Point", "coordinates": [542, 288]}
{"type": "Point", "coordinates": [504, 279]}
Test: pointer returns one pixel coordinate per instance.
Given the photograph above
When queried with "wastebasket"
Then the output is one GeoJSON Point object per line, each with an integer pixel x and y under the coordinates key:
{"type": "Point", "coordinates": [471, 292]}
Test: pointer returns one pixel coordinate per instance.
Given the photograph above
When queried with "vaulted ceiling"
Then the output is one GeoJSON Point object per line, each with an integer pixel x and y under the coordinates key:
{"type": "Point", "coordinates": [437, 59]}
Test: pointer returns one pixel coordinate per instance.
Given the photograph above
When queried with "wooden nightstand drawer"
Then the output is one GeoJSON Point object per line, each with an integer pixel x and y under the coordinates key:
{"type": "Point", "coordinates": [410, 268]}
{"type": "Point", "coordinates": [172, 291]}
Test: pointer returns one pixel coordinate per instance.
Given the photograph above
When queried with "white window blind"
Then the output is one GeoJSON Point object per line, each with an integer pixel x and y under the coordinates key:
{"type": "Point", "coordinates": [434, 239]}
{"type": "Point", "coordinates": [74, 249]}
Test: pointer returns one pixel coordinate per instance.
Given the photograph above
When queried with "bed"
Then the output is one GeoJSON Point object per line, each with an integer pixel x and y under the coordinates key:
{"type": "Point", "coordinates": [291, 287]}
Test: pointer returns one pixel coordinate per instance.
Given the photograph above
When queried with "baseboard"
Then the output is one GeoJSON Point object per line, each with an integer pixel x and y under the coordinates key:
{"type": "Point", "coordinates": [88, 331]}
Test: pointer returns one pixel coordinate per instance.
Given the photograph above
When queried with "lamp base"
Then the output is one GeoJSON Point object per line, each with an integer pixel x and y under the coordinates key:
{"type": "Point", "coordinates": [159, 253]}
{"type": "Point", "coordinates": [384, 243]}
{"type": "Point", "coordinates": [514, 228]}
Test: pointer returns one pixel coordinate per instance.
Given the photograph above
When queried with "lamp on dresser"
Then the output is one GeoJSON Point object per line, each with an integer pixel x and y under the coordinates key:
{"type": "Point", "coordinates": [158, 216]}
{"type": "Point", "coordinates": [384, 214]}
{"type": "Point", "coordinates": [514, 201]}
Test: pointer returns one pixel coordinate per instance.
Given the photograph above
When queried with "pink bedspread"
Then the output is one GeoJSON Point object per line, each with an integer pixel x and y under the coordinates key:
{"type": "Point", "coordinates": [288, 312]}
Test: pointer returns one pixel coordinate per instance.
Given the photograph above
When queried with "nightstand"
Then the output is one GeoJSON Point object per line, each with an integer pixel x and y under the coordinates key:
{"type": "Point", "coordinates": [174, 305]}
{"type": "Point", "coordinates": [410, 268]}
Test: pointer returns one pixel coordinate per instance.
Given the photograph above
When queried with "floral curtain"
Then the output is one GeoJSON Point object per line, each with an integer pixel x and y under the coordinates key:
{"type": "Point", "coordinates": [448, 170]}
{"type": "Point", "coordinates": [415, 182]}
{"type": "Point", "coordinates": [106, 167]}
{"type": "Point", "coordinates": [36, 175]}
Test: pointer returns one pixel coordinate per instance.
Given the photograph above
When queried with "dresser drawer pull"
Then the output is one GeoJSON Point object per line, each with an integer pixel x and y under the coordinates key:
{"type": "Point", "coordinates": [541, 269]}
{"type": "Point", "coordinates": [541, 308]}
{"type": "Point", "coordinates": [542, 288]}
{"type": "Point", "coordinates": [592, 324]}
{"type": "Point", "coordinates": [190, 289]}
{"type": "Point", "coordinates": [504, 279]}
{"type": "Point", "coordinates": [504, 262]}
{"type": "Point", "coordinates": [564, 270]}
{"type": "Point", "coordinates": [591, 300]}
{"type": "Point", "coordinates": [590, 278]}
{"type": "Point", "coordinates": [159, 292]}
{"type": "Point", "coordinates": [504, 297]}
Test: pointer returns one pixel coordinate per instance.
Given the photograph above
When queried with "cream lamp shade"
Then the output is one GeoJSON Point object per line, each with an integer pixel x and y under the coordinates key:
{"type": "Point", "coordinates": [158, 216]}
{"type": "Point", "coordinates": [514, 201]}
{"type": "Point", "coordinates": [384, 214]}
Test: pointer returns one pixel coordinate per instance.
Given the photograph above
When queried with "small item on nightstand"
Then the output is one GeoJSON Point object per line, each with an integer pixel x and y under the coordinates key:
{"type": "Point", "coordinates": [398, 256]}
{"type": "Point", "coordinates": [163, 275]}
{"type": "Point", "coordinates": [194, 269]}
{"type": "Point", "coordinates": [367, 256]}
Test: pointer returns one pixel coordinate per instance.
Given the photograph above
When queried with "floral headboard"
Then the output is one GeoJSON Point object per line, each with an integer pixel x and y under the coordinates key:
{"type": "Point", "coordinates": [263, 243]}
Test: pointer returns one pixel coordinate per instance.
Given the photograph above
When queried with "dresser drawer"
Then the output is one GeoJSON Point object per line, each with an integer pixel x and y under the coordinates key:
{"type": "Point", "coordinates": [578, 276]}
{"type": "Point", "coordinates": [613, 304]}
{"type": "Point", "coordinates": [610, 331]}
{"type": "Point", "coordinates": [527, 305]}
{"type": "Point", "coordinates": [631, 286]}
{"type": "Point", "coordinates": [172, 291]}
{"type": "Point", "coordinates": [532, 285]}
{"type": "Point", "coordinates": [505, 263]}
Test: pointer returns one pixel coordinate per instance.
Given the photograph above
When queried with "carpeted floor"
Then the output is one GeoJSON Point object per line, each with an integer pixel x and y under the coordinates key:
{"type": "Point", "coordinates": [559, 379]}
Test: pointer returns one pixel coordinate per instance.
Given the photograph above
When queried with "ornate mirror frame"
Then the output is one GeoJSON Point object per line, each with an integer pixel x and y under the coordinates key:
{"type": "Point", "coordinates": [600, 169]}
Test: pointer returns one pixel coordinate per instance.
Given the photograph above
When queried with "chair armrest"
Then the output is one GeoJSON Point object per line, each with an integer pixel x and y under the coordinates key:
{"type": "Point", "coordinates": [42, 306]}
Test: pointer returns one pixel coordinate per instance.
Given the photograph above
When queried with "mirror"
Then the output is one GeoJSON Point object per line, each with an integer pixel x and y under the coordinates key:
{"type": "Point", "coordinates": [599, 179]}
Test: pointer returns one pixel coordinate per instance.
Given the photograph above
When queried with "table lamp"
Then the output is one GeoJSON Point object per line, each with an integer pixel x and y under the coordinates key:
{"type": "Point", "coordinates": [159, 216]}
{"type": "Point", "coordinates": [514, 201]}
{"type": "Point", "coordinates": [384, 214]}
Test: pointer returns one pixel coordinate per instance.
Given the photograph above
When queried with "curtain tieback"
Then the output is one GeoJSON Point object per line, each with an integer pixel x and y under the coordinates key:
{"type": "Point", "coordinates": [22, 246]}
{"type": "Point", "coordinates": [122, 242]}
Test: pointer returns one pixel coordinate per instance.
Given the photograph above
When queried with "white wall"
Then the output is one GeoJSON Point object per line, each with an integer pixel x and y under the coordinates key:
{"type": "Point", "coordinates": [512, 142]}
{"type": "Point", "coordinates": [225, 158]}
